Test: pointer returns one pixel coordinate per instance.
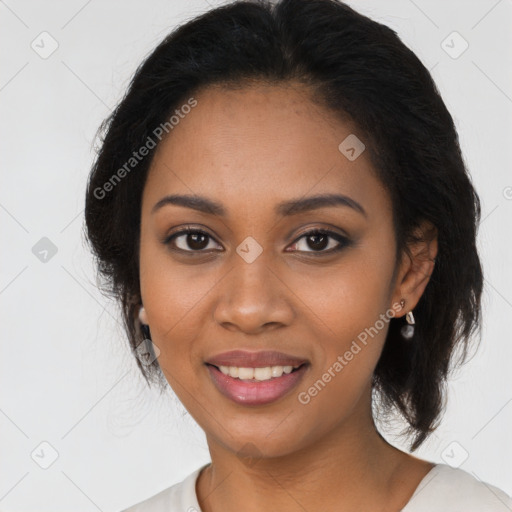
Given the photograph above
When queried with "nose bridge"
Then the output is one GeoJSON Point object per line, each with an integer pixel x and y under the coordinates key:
{"type": "Point", "coordinates": [251, 294]}
{"type": "Point", "coordinates": [252, 280]}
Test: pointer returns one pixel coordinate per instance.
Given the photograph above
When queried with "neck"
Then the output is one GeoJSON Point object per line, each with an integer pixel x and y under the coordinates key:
{"type": "Point", "coordinates": [349, 468]}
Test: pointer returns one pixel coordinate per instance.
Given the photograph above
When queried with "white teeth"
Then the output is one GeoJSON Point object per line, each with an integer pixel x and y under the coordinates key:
{"type": "Point", "coordinates": [245, 373]}
{"type": "Point", "coordinates": [263, 373]}
{"type": "Point", "coordinates": [255, 373]}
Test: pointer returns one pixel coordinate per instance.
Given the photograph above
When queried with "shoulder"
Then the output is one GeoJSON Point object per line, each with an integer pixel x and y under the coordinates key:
{"type": "Point", "coordinates": [181, 497]}
{"type": "Point", "coordinates": [448, 489]}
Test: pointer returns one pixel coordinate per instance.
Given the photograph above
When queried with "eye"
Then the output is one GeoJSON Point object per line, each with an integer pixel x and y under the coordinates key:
{"type": "Point", "coordinates": [319, 240]}
{"type": "Point", "coordinates": [193, 240]}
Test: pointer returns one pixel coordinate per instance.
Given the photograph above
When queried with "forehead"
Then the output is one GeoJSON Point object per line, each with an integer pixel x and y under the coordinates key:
{"type": "Point", "coordinates": [258, 144]}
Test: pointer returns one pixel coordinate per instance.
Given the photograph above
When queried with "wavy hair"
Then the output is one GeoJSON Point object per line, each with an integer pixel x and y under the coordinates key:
{"type": "Point", "coordinates": [356, 68]}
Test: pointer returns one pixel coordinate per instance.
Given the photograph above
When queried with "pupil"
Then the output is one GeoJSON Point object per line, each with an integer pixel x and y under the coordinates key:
{"type": "Point", "coordinates": [316, 245]}
{"type": "Point", "coordinates": [193, 243]}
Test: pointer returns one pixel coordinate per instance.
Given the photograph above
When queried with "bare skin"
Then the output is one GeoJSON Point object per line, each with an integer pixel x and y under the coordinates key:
{"type": "Point", "coordinates": [250, 149]}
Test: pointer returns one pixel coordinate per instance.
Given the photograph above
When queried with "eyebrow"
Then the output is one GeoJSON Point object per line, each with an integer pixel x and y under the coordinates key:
{"type": "Point", "coordinates": [284, 209]}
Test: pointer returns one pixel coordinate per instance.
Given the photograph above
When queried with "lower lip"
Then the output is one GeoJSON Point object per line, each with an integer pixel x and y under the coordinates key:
{"type": "Point", "coordinates": [257, 392]}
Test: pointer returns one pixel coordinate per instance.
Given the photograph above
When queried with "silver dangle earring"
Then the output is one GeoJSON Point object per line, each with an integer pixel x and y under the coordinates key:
{"type": "Point", "coordinates": [146, 351]}
{"type": "Point", "coordinates": [407, 331]}
{"type": "Point", "coordinates": [143, 323]}
{"type": "Point", "coordinates": [143, 317]}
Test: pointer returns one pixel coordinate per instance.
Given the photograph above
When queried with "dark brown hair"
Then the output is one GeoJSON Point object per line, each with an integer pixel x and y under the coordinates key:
{"type": "Point", "coordinates": [359, 69]}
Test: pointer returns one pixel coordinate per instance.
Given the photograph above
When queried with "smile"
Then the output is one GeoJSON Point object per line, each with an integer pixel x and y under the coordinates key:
{"type": "Point", "coordinates": [256, 386]}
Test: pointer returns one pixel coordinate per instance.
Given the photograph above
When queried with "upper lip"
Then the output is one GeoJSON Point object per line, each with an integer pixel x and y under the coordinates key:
{"type": "Point", "coordinates": [245, 359]}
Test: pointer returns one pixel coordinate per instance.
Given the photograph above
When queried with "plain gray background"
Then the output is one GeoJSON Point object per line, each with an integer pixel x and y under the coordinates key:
{"type": "Point", "coordinates": [67, 378]}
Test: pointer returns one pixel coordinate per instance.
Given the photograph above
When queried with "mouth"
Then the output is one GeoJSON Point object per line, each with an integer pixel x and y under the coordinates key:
{"type": "Point", "coordinates": [256, 386]}
{"type": "Point", "coordinates": [259, 374]}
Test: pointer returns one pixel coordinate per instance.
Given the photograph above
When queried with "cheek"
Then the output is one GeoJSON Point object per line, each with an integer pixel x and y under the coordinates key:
{"type": "Point", "coordinates": [349, 315]}
{"type": "Point", "coordinates": [175, 296]}
{"type": "Point", "coordinates": [351, 297]}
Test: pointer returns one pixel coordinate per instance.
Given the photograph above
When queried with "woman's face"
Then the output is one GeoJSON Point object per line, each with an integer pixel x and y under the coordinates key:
{"type": "Point", "coordinates": [255, 282]}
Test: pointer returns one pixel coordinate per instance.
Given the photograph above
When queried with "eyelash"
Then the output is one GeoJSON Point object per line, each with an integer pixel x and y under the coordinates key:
{"type": "Point", "coordinates": [342, 240]}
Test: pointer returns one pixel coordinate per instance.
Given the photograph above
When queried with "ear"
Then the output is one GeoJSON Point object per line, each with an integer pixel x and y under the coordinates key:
{"type": "Point", "coordinates": [416, 267]}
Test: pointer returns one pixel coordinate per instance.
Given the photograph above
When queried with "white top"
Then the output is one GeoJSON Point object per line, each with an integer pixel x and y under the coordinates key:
{"type": "Point", "coordinates": [443, 489]}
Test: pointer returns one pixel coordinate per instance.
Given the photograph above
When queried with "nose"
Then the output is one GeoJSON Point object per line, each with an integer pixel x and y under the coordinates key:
{"type": "Point", "coordinates": [252, 298]}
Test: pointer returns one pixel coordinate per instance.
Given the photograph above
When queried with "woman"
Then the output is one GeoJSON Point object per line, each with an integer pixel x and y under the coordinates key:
{"type": "Point", "coordinates": [281, 207]}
